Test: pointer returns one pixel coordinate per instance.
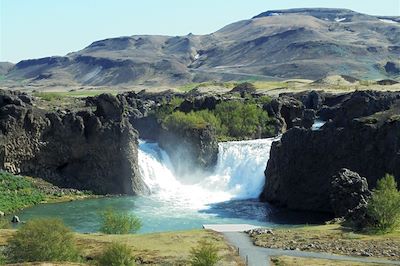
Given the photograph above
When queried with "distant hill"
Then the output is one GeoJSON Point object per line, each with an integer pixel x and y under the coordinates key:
{"type": "Point", "coordinates": [294, 43]}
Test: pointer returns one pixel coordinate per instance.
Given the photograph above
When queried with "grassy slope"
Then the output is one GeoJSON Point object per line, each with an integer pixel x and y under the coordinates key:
{"type": "Point", "coordinates": [18, 192]}
{"type": "Point", "coordinates": [169, 248]}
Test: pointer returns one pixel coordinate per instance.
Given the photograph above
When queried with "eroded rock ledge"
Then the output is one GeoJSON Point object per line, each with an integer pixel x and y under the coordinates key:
{"type": "Point", "coordinates": [90, 150]}
{"type": "Point", "coordinates": [363, 136]}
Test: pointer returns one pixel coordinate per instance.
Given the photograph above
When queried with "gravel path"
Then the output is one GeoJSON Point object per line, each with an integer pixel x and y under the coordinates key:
{"type": "Point", "coordinates": [259, 256]}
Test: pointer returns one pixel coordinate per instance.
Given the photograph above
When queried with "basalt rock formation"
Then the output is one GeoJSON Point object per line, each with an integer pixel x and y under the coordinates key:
{"type": "Point", "coordinates": [348, 191]}
{"type": "Point", "coordinates": [364, 137]}
{"type": "Point", "coordinates": [87, 150]}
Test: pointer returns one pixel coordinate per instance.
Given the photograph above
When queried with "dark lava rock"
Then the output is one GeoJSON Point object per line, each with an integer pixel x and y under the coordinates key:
{"type": "Point", "coordinates": [192, 151]}
{"type": "Point", "coordinates": [289, 112]}
{"type": "Point", "coordinates": [301, 165]}
{"type": "Point", "coordinates": [85, 150]}
{"type": "Point", "coordinates": [386, 82]}
{"type": "Point", "coordinates": [349, 190]}
{"type": "Point", "coordinates": [244, 88]}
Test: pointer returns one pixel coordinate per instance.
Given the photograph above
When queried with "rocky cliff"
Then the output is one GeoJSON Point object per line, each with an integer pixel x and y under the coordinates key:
{"type": "Point", "coordinates": [364, 137]}
{"type": "Point", "coordinates": [91, 150]}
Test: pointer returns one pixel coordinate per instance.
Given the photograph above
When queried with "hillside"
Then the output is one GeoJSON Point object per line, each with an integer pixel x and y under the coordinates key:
{"type": "Point", "coordinates": [279, 44]}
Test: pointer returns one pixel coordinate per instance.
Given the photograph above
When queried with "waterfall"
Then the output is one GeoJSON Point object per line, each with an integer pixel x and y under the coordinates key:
{"type": "Point", "coordinates": [239, 174]}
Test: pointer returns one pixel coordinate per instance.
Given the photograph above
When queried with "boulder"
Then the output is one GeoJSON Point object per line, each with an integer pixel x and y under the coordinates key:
{"type": "Point", "coordinates": [15, 219]}
{"type": "Point", "coordinates": [348, 191]}
{"type": "Point", "coordinates": [244, 88]}
{"type": "Point", "coordinates": [2, 214]}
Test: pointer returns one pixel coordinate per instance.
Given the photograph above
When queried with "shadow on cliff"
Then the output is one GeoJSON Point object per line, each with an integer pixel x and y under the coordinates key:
{"type": "Point", "coordinates": [264, 212]}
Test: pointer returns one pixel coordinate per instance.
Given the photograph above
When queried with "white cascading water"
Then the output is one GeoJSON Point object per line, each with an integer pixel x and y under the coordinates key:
{"type": "Point", "coordinates": [239, 174]}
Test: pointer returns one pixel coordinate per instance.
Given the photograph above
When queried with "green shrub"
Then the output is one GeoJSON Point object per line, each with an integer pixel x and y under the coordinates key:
{"type": "Point", "coordinates": [205, 254]}
{"type": "Point", "coordinates": [17, 192]}
{"type": "Point", "coordinates": [117, 255]}
{"type": "Point", "coordinates": [178, 120]}
{"type": "Point", "coordinates": [3, 258]}
{"type": "Point", "coordinates": [43, 240]}
{"type": "Point", "coordinates": [113, 222]}
{"type": "Point", "coordinates": [168, 107]}
{"type": "Point", "coordinates": [243, 120]}
{"type": "Point", "coordinates": [384, 205]}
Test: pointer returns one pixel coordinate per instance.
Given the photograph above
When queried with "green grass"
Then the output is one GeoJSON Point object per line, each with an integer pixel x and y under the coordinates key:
{"type": "Point", "coordinates": [191, 86]}
{"type": "Point", "coordinates": [17, 192]}
{"type": "Point", "coordinates": [61, 95]}
{"type": "Point", "coordinates": [167, 248]}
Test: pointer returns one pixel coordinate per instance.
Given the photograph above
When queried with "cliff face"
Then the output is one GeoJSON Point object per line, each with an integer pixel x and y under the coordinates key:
{"type": "Point", "coordinates": [366, 140]}
{"type": "Point", "coordinates": [95, 151]}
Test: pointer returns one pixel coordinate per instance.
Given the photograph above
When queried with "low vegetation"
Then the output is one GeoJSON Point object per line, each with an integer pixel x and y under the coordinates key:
{"type": "Point", "coordinates": [241, 120]}
{"type": "Point", "coordinates": [117, 254]}
{"type": "Point", "coordinates": [205, 254]}
{"type": "Point", "coordinates": [43, 240]}
{"type": "Point", "coordinates": [384, 205]}
{"type": "Point", "coordinates": [113, 222]}
{"type": "Point", "coordinates": [4, 223]}
{"type": "Point", "coordinates": [49, 96]}
{"type": "Point", "coordinates": [17, 192]}
{"type": "Point", "coordinates": [167, 248]}
{"type": "Point", "coordinates": [230, 120]}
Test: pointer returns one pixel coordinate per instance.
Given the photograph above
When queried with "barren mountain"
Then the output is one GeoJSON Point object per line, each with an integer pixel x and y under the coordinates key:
{"type": "Point", "coordinates": [295, 43]}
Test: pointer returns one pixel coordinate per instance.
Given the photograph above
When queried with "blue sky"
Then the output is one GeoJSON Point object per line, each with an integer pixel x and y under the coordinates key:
{"type": "Point", "coordinates": [39, 28]}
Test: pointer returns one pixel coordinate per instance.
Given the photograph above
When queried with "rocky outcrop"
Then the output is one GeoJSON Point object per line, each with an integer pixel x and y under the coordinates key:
{"type": "Point", "coordinates": [192, 151]}
{"type": "Point", "coordinates": [348, 191]}
{"type": "Point", "coordinates": [289, 112]}
{"type": "Point", "coordinates": [87, 150]}
{"type": "Point", "coordinates": [301, 165]}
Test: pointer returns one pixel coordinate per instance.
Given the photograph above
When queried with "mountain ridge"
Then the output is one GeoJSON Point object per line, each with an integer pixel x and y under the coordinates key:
{"type": "Point", "coordinates": [295, 43]}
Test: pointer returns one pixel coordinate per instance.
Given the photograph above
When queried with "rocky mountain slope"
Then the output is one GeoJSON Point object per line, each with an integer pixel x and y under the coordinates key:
{"type": "Point", "coordinates": [296, 43]}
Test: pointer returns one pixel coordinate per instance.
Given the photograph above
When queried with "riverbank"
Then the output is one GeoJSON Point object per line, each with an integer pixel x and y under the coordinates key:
{"type": "Point", "coordinates": [169, 248]}
{"type": "Point", "coordinates": [20, 192]}
{"type": "Point", "coordinates": [333, 239]}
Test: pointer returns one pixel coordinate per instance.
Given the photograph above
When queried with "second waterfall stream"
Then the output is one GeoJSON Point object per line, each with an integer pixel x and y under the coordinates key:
{"type": "Point", "coordinates": [239, 174]}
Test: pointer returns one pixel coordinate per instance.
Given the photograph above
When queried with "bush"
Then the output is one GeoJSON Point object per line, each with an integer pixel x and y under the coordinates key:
{"type": "Point", "coordinates": [205, 254]}
{"type": "Point", "coordinates": [117, 255]}
{"type": "Point", "coordinates": [243, 120]}
{"type": "Point", "coordinates": [167, 108]}
{"type": "Point", "coordinates": [43, 240]}
{"type": "Point", "coordinates": [3, 259]}
{"type": "Point", "coordinates": [384, 205]}
{"type": "Point", "coordinates": [17, 192]}
{"type": "Point", "coordinates": [178, 120]}
{"type": "Point", "coordinates": [119, 223]}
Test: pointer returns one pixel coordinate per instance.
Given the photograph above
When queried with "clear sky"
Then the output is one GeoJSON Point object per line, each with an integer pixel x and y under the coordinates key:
{"type": "Point", "coordinates": [39, 28]}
